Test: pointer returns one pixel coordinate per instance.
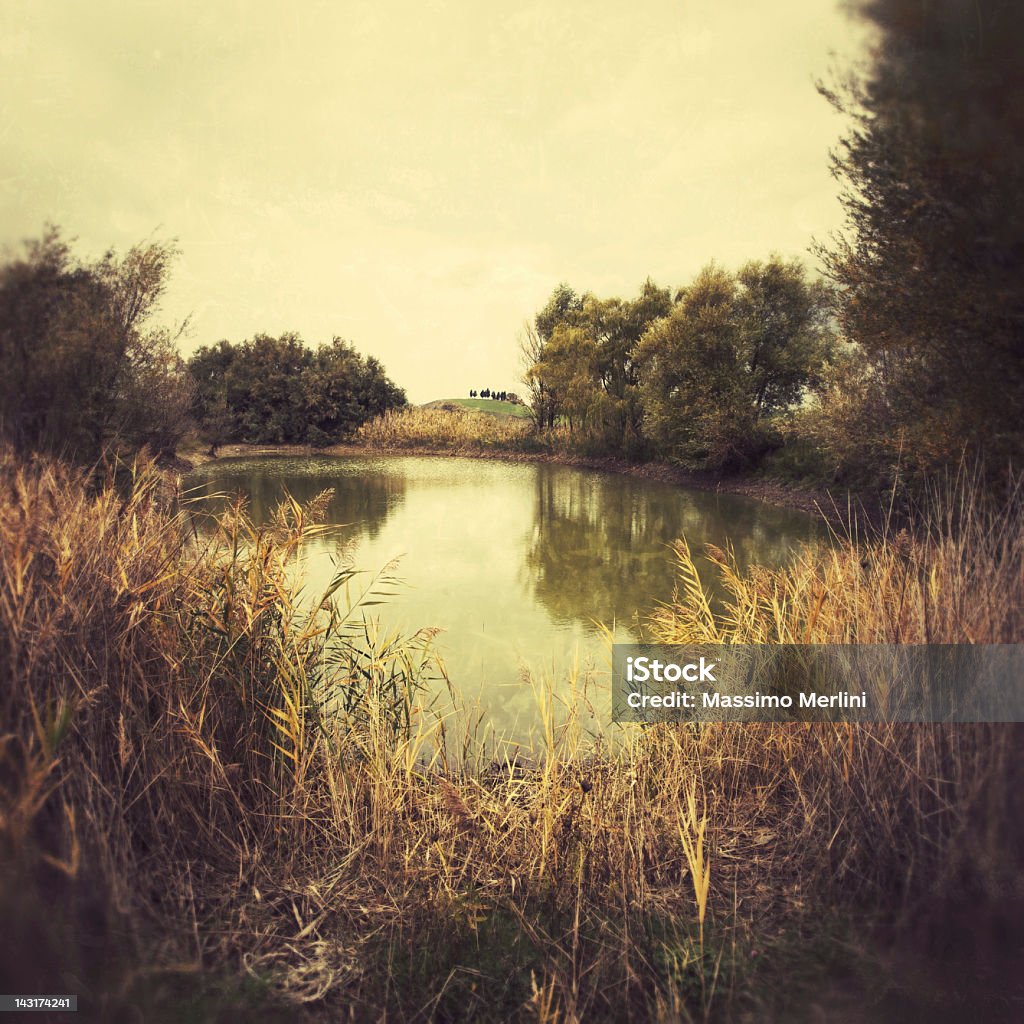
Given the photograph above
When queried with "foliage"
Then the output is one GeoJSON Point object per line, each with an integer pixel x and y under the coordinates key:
{"type": "Point", "coordinates": [931, 266]}
{"type": "Point", "coordinates": [277, 390]}
{"type": "Point", "coordinates": [561, 309]}
{"type": "Point", "coordinates": [734, 351]}
{"type": "Point", "coordinates": [531, 350]}
{"type": "Point", "coordinates": [568, 370]}
{"type": "Point", "coordinates": [579, 356]}
{"type": "Point", "coordinates": [696, 379]}
{"type": "Point", "coordinates": [84, 365]}
{"type": "Point", "coordinates": [617, 327]}
{"type": "Point", "coordinates": [496, 396]}
{"type": "Point", "coordinates": [837, 437]}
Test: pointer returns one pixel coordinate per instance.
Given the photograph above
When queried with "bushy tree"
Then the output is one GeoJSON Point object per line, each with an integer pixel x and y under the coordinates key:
{"type": "Point", "coordinates": [840, 436]}
{"type": "Point", "coordinates": [690, 374]}
{"type": "Point", "coordinates": [278, 390]}
{"type": "Point", "coordinates": [735, 350]}
{"type": "Point", "coordinates": [785, 320]}
{"type": "Point", "coordinates": [931, 265]}
{"type": "Point", "coordinates": [83, 364]}
{"type": "Point", "coordinates": [616, 326]}
{"type": "Point", "coordinates": [600, 393]}
{"type": "Point", "coordinates": [568, 370]}
{"type": "Point", "coordinates": [561, 310]}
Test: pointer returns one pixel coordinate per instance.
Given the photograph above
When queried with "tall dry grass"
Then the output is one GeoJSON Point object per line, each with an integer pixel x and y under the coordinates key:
{"type": "Point", "coordinates": [922, 817]}
{"type": "Point", "coordinates": [167, 704]}
{"type": "Point", "coordinates": [177, 795]}
{"type": "Point", "coordinates": [447, 429]}
{"type": "Point", "coordinates": [958, 577]}
{"type": "Point", "coordinates": [199, 771]}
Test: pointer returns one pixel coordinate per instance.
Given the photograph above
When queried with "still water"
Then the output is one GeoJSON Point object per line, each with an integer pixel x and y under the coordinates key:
{"type": "Point", "coordinates": [517, 564]}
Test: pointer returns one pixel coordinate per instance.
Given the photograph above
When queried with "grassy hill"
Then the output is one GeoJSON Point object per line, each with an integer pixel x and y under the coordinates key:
{"type": "Point", "coordinates": [487, 405]}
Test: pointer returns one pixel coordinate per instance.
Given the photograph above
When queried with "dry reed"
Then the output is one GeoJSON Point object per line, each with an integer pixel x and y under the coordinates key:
{"type": "Point", "coordinates": [448, 429]}
{"type": "Point", "coordinates": [180, 743]}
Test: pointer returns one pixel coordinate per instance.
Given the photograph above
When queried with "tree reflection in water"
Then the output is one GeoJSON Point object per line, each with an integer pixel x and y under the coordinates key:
{"type": "Point", "coordinates": [365, 492]}
{"type": "Point", "coordinates": [598, 547]}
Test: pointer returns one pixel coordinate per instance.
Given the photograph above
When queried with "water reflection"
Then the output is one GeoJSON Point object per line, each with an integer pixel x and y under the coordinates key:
{"type": "Point", "coordinates": [515, 563]}
{"type": "Point", "coordinates": [597, 548]}
{"type": "Point", "coordinates": [365, 493]}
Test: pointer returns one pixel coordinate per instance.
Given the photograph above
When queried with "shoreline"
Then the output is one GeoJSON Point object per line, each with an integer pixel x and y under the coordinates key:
{"type": "Point", "coordinates": [836, 510]}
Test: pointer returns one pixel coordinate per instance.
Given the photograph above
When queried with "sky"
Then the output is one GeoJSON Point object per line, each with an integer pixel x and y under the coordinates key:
{"type": "Point", "coordinates": [416, 176]}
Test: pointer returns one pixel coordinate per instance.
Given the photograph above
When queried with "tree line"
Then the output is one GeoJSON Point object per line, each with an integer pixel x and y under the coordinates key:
{"type": "Point", "coordinates": [906, 358]}
{"type": "Point", "coordinates": [87, 367]}
{"type": "Point", "coordinates": [498, 396]}
{"type": "Point", "coordinates": [697, 377]}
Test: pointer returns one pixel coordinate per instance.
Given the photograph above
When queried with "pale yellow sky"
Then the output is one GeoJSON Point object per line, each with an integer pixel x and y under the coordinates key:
{"type": "Point", "coordinates": [417, 176]}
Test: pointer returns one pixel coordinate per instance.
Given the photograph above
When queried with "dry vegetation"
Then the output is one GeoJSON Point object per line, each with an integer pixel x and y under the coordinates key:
{"type": "Point", "coordinates": [453, 429]}
{"type": "Point", "coordinates": [179, 806]}
{"type": "Point", "coordinates": [959, 578]}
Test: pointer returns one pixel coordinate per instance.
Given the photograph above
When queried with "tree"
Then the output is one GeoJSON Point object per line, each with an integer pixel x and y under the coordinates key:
{"type": "Point", "coordinates": [84, 365]}
{"type": "Point", "coordinates": [561, 309]}
{"type": "Point", "coordinates": [931, 265]}
{"type": "Point", "coordinates": [617, 325]}
{"type": "Point", "coordinates": [689, 373]}
{"type": "Point", "coordinates": [278, 390]}
{"type": "Point", "coordinates": [155, 399]}
{"type": "Point", "coordinates": [568, 372]}
{"type": "Point", "coordinates": [613, 328]}
{"type": "Point", "coordinates": [531, 351]}
{"type": "Point", "coordinates": [735, 350]}
{"type": "Point", "coordinates": [210, 368]}
{"type": "Point", "coordinates": [786, 325]}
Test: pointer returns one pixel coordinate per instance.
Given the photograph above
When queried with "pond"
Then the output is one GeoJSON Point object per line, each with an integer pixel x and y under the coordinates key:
{"type": "Point", "coordinates": [518, 564]}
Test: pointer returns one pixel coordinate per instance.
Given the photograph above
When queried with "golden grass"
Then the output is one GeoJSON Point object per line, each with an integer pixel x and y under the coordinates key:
{"type": "Point", "coordinates": [242, 784]}
{"type": "Point", "coordinates": [958, 579]}
{"type": "Point", "coordinates": [448, 429]}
